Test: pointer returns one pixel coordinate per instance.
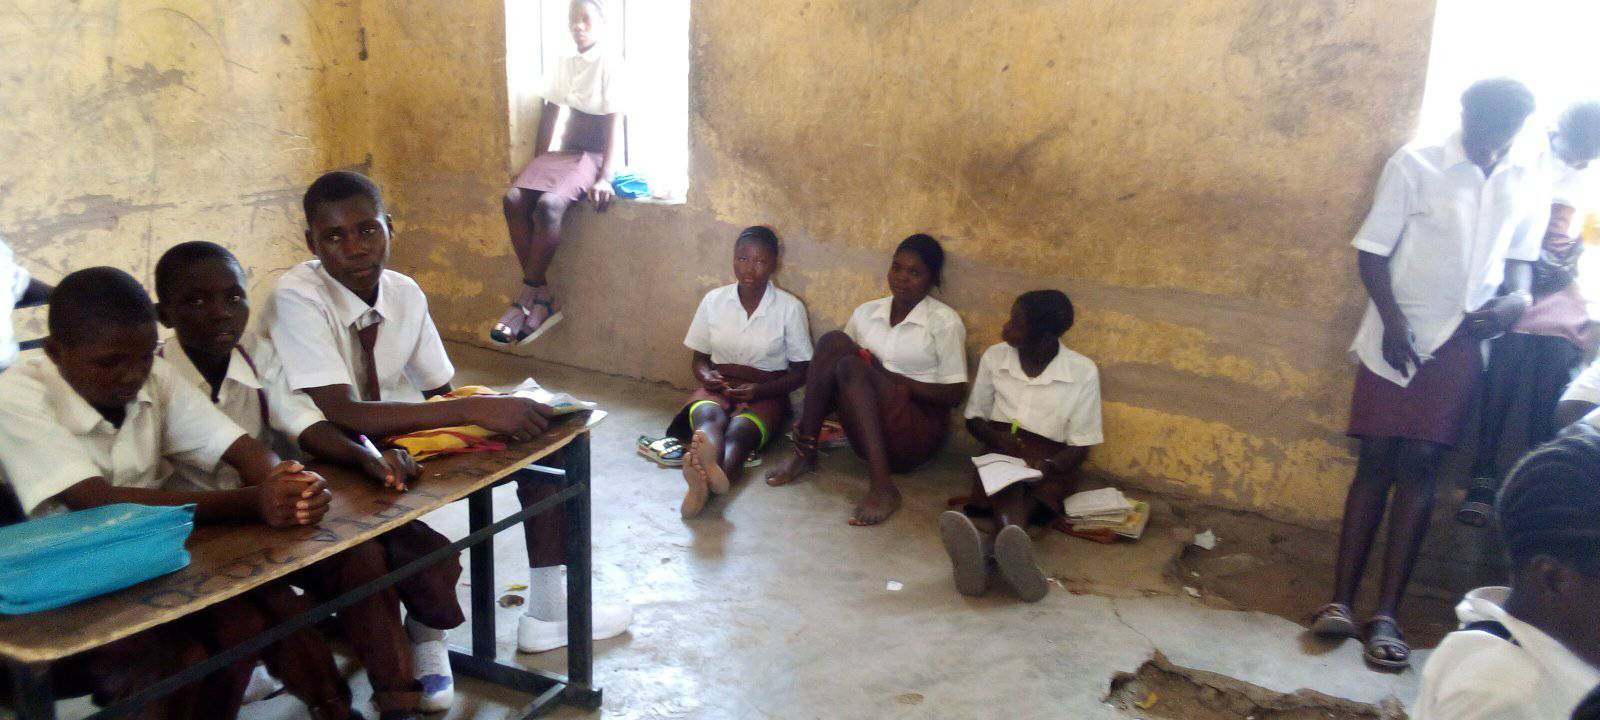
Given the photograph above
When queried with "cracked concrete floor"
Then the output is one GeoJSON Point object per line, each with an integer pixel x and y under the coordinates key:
{"type": "Point", "coordinates": [770, 606]}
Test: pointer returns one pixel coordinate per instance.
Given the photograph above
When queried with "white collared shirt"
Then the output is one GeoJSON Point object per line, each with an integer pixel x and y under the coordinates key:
{"type": "Point", "coordinates": [589, 82]}
{"type": "Point", "coordinates": [1062, 403]}
{"type": "Point", "coordinates": [288, 412]}
{"type": "Point", "coordinates": [51, 438]}
{"type": "Point", "coordinates": [313, 321]}
{"type": "Point", "coordinates": [770, 338]}
{"type": "Point", "coordinates": [1474, 675]}
{"type": "Point", "coordinates": [1448, 232]}
{"type": "Point", "coordinates": [14, 280]}
{"type": "Point", "coordinates": [929, 345]}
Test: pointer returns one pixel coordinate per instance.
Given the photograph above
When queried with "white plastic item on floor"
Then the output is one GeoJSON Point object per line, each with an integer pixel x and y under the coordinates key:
{"type": "Point", "coordinates": [536, 636]}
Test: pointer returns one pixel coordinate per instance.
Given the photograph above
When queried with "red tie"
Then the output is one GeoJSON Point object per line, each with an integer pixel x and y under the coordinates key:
{"type": "Point", "coordinates": [369, 338]}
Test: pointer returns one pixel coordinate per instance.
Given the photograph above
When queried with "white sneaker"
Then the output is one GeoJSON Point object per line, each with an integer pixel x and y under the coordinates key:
{"type": "Point", "coordinates": [262, 685]}
{"type": "Point", "coordinates": [536, 636]}
{"type": "Point", "coordinates": [432, 663]}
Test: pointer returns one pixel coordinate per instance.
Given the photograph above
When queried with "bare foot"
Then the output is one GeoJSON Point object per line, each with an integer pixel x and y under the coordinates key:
{"type": "Point", "coordinates": [881, 502]}
{"type": "Point", "coordinates": [792, 467]}
{"type": "Point", "coordinates": [694, 500]}
{"type": "Point", "coordinates": [707, 455]}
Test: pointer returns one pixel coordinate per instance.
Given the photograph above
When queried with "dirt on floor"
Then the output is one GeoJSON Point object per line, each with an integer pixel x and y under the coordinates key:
{"type": "Point", "coordinates": [1287, 570]}
{"type": "Point", "coordinates": [1160, 690]}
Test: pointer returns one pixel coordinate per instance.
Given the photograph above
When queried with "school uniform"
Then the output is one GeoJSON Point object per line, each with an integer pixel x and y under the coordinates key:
{"type": "Point", "coordinates": [52, 439]}
{"type": "Point", "coordinates": [256, 397]}
{"type": "Point", "coordinates": [389, 350]}
{"type": "Point", "coordinates": [1047, 413]}
{"type": "Point", "coordinates": [754, 347]}
{"type": "Point", "coordinates": [928, 345]}
{"type": "Point", "coordinates": [590, 84]}
{"type": "Point", "coordinates": [1448, 232]}
{"type": "Point", "coordinates": [1532, 364]}
{"type": "Point", "coordinates": [14, 281]}
{"type": "Point", "coordinates": [1476, 674]}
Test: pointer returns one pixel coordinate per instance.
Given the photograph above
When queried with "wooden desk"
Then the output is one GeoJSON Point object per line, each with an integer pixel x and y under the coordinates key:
{"type": "Point", "coordinates": [230, 560]}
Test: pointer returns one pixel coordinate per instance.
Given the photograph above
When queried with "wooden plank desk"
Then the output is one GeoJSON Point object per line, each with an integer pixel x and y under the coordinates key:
{"type": "Point", "coordinates": [230, 560]}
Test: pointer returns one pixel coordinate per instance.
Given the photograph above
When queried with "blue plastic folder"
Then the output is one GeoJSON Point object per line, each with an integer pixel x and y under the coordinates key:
{"type": "Point", "coordinates": [61, 559]}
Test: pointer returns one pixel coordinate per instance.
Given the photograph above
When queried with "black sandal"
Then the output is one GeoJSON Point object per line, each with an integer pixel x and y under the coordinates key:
{"type": "Point", "coordinates": [1398, 655]}
{"type": "Point", "coordinates": [1479, 505]}
{"type": "Point", "coordinates": [1334, 621]}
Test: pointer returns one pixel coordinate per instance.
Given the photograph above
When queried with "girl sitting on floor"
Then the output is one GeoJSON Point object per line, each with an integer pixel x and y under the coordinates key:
{"type": "Point", "coordinates": [751, 349]}
{"type": "Point", "coordinates": [1032, 399]}
{"type": "Point", "coordinates": [892, 374]}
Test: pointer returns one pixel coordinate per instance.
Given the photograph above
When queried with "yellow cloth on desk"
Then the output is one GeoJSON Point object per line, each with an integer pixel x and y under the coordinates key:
{"type": "Point", "coordinates": [425, 444]}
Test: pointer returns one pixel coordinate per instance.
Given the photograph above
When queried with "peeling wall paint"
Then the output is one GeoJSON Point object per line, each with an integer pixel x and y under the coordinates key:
{"type": "Point", "coordinates": [1189, 172]}
{"type": "Point", "coordinates": [129, 127]}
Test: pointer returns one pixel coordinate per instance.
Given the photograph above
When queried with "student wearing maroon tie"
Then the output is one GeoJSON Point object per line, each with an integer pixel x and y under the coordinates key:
{"type": "Point", "coordinates": [358, 339]}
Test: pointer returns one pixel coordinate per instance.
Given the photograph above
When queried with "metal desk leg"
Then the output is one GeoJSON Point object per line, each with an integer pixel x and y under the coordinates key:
{"type": "Point", "coordinates": [31, 691]}
{"type": "Point", "coordinates": [480, 513]}
{"type": "Point", "coordinates": [580, 621]}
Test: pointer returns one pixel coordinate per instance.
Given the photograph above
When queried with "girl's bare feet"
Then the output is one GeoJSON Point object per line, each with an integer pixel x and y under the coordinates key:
{"type": "Point", "coordinates": [800, 462]}
{"type": "Point", "coordinates": [881, 502]}
{"type": "Point", "coordinates": [694, 500]}
{"type": "Point", "coordinates": [707, 453]}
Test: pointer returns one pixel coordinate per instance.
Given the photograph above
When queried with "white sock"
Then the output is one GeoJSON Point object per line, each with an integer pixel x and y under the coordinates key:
{"type": "Point", "coordinates": [547, 593]}
{"type": "Point", "coordinates": [422, 633]}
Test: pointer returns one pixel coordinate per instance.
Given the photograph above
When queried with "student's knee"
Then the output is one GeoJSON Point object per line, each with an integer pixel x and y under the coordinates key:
{"type": "Point", "coordinates": [708, 413]}
{"type": "Point", "coordinates": [533, 487]}
{"type": "Point", "coordinates": [516, 203]}
{"type": "Point", "coordinates": [549, 209]}
{"type": "Point", "coordinates": [835, 342]}
{"type": "Point", "coordinates": [850, 369]}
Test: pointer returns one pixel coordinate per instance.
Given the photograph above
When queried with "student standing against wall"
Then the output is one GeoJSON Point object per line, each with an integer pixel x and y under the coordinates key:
{"type": "Point", "coordinates": [1449, 227]}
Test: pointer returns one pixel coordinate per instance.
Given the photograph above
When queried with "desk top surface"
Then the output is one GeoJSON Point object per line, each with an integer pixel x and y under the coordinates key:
{"type": "Point", "coordinates": [229, 560]}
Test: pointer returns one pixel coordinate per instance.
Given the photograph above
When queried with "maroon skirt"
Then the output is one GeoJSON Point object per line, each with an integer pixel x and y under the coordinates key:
{"type": "Point", "coordinates": [567, 174]}
{"type": "Point", "coordinates": [771, 411]}
{"type": "Point", "coordinates": [1431, 407]}
{"type": "Point", "coordinates": [912, 430]}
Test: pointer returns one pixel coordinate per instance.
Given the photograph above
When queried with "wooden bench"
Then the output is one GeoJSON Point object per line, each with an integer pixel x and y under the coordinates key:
{"type": "Point", "coordinates": [228, 560]}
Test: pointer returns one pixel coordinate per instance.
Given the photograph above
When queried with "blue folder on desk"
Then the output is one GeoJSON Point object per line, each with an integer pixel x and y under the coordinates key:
{"type": "Point", "coordinates": [61, 559]}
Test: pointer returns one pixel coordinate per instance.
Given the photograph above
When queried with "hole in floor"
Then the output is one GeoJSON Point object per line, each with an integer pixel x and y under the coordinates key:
{"type": "Point", "coordinates": [1159, 690]}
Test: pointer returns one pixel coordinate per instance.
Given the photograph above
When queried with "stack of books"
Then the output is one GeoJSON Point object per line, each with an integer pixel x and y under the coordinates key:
{"type": "Point", "coordinates": [1106, 515]}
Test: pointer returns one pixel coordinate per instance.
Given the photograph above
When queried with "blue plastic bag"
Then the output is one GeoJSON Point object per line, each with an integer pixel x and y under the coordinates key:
{"type": "Point", "coordinates": [61, 559]}
{"type": "Point", "coordinates": [630, 185]}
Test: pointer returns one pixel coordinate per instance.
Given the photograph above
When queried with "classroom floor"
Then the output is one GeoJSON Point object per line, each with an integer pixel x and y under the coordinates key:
{"type": "Point", "coordinates": [770, 606]}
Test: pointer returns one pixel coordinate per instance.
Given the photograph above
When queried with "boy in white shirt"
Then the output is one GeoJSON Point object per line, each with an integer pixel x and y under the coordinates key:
{"type": "Point", "coordinates": [1531, 651]}
{"type": "Point", "coordinates": [1036, 400]}
{"type": "Point", "coordinates": [99, 419]}
{"type": "Point", "coordinates": [1445, 256]}
{"type": "Point", "coordinates": [201, 288]}
{"type": "Point", "coordinates": [358, 339]}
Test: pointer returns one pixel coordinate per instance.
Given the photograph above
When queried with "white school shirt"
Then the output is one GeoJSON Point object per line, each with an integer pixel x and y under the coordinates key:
{"type": "Point", "coordinates": [1062, 403]}
{"type": "Point", "coordinates": [1447, 232]}
{"type": "Point", "coordinates": [14, 282]}
{"type": "Point", "coordinates": [288, 412]}
{"type": "Point", "coordinates": [1585, 387]}
{"type": "Point", "coordinates": [51, 438]}
{"type": "Point", "coordinates": [1474, 675]}
{"type": "Point", "coordinates": [929, 345]}
{"type": "Point", "coordinates": [770, 338]}
{"type": "Point", "coordinates": [589, 82]}
{"type": "Point", "coordinates": [313, 321]}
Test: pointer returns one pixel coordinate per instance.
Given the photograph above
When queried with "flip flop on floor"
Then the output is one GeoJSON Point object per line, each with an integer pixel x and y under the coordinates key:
{"type": "Point", "coordinates": [1335, 622]}
{"type": "Point", "coordinates": [1387, 651]}
{"type": "Point", "coordinates": [663, 451]}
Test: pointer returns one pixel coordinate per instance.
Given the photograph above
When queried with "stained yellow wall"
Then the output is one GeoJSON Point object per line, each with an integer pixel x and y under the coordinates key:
{"type": "Point", "coordinates": [1190, 172]}
{"type": "Point", "coordinates": [129, 127]}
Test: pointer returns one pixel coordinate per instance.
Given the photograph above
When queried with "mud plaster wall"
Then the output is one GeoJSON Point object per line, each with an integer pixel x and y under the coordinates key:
{"type": "Point", "coordinates": [1189, 172]}
{"type": "Point", "coordinates": [129, 127]}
